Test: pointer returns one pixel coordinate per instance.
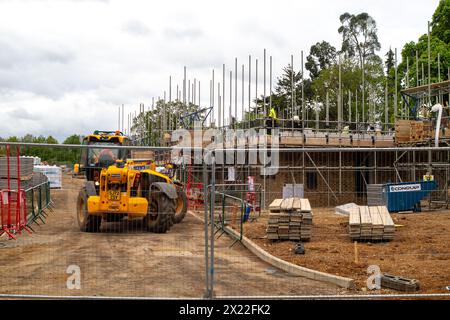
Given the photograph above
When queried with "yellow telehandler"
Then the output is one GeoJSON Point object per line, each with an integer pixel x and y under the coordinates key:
{"type": "Point", "coordinates": [129, 190]}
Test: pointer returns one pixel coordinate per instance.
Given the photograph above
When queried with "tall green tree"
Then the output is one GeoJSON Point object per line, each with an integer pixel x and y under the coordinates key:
{"type": "Point", "coordinates": [321, 56]}
{"type": "Point", "coordinates": [359, 36]}
{"type": "Point", "coordinates": [441, 21]}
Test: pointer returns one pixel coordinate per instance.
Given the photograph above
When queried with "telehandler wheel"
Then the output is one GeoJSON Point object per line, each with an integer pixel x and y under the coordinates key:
{"type": "Point", "coordinates": [181, 206]}
{"type": "Point", "coordinates": [86, 222]}
{"type": "Point", "coordinates": [160, 214]}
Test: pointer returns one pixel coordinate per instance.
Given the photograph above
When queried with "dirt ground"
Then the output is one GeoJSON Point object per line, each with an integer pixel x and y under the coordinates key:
{"type": "Point", "coordinates": [123, 260]}
{"type": "Point", "coordinates": [419, 251]}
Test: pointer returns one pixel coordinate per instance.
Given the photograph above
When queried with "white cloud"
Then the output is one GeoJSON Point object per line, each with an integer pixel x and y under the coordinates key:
{"type": "Point", "coordinates": [66, 65]}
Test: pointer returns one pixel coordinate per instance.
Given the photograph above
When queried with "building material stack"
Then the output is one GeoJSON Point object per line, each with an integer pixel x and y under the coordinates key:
{"type": "Point", "coordinates": [26, 172]}
{"type": "Point", "coordinates": [375, 195]}
{"type": "Point", "coordinates": [290, 219]}
{"type": "Point", "coordinates": [355, 224]}
{"type": "Point", "coordinates": [377, 224]}
{"type": "Point", "coordinates": [53, 173]}
{"type": "Point", "coordinates": [371, 224]}
{"type": "Point", "coordinates": [408, 131]}
{"type": "Point", "coordinates": [366, 223]}
{"type": "Point", "coordinates": [388, 223]}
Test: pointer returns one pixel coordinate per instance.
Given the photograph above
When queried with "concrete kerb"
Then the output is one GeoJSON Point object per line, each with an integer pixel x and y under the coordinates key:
{"type": "Point", "coordinates": [290, 267]}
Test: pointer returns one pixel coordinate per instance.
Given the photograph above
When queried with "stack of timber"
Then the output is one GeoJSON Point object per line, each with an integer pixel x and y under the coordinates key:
{"type": "Point", "coordinates": [408, 131]}
{"type": "Point", "coordinates": [388, 223]}
{"type": "Point", "coordinates": [354, 223]}
{"type": "Point", "coordinates": [371, 224]}
{"type": "Point", "coordinates": [290, 219]}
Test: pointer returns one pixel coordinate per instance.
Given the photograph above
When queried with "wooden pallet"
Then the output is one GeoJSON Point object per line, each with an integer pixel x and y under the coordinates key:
{"type": "Point", "coordinates": [290, 219]}
{"type": "Point", "coordinates": [371, 224]}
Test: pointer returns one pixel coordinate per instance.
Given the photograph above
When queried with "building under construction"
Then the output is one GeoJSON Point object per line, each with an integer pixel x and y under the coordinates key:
{"type": "Point", "coordinates": [333, 163]}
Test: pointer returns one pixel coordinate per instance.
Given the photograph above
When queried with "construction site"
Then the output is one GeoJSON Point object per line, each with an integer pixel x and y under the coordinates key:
{"type": "Point", "coordinates": [240, 196]}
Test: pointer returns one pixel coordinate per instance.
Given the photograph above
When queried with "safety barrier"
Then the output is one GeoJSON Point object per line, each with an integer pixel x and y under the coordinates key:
{"type": "Point", "coordinates": [38, 201]}
{"type": "Point", "coordinates": [20, 207]}
{"type": "Point", "coordinates": [13, 212]}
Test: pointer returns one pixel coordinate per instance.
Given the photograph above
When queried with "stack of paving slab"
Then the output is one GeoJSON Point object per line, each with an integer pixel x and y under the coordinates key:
{"type": "Point", "coordinates": [290, 219]}
{"type": "Point", "coordinates": [371, 224]}
{"type": "Point", "coordinates": [26, 173]}
{"type": "Point", "coordinates": [26, 168]}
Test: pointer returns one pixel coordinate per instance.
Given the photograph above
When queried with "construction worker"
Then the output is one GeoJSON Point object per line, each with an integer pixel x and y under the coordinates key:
{"type": "Point", "coordinates": [271, 121]}
{"type": "Point", "coordinates": [273, 114]}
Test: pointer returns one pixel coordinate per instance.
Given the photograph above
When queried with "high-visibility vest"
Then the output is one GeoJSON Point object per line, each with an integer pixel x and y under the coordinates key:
{"type": "Point", "coordinates": [272, 114]}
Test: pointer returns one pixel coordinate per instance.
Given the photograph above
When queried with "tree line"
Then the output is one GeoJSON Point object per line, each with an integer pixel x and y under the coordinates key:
{"type": "Point", "coordinates": [49, 155]}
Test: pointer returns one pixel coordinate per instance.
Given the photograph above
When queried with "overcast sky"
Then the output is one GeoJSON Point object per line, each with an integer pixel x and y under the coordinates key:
{"type": "Point", "coordinates": [66, 65]}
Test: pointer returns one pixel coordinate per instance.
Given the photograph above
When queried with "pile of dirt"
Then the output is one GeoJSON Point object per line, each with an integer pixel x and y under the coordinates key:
{"type": "Point", "coordinates": [419, 251]}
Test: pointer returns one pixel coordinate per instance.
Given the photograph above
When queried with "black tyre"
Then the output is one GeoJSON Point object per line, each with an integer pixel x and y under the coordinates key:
{"type": "Point", "coordinates": [161, 211]}
{"type": "Point", "coordinates": [181, 206]}
{"type": "Point", "coordinates": [86, 222]}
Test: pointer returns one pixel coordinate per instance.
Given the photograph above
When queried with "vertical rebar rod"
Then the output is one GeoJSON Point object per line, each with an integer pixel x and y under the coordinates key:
{"type": "Point", "coordinates": [317, 115]}
{"type": "Point", "coordinates": [249, 86]}
{"type": "Point", "coordinates": [270, 83]}
{"type": "Point", "coordinates": [363, 92]}
{"type": "Point", "coordinates": [327, 111]}
{"type": "Point", "coordinates": [349, 107]}
{"type": "Point", "coordinates": [264, 86]}
{"type": "Point", "coordinates": [386, 106]}
{"type": "Point", "coordinates": [439, 77]}
{"type": "Point", "coordinates": [230, 114]}
{"type": "Point", "coordinates": [235, 91]}
{"type": "Point", "coordinates": [407, 72]}
{"type": "Point", "coordinates": [396, 89]}
{"type": "Point", "coordinates": [429, 64]}
{"type": "Point", "coordinates": [213, 87]}
{"type": "Point", "coordinates": [184, 87]}
{"type": "Point", "coordinates": [417, 68]}
{"type": "Point", "coordinates": [292, 86]}
{"type": "Point", "coordinates": [223, 97]}
{"type": "Point", "coordinates": [339, 102]}
{"type": "Point", "coordinates": [256, 90]}
{"type": "Point", "coordinates": [439, 67]}
{"type": "Point", "coordinates": [242, 92]}
{"type": "Point", "coordinates": [303, 88]}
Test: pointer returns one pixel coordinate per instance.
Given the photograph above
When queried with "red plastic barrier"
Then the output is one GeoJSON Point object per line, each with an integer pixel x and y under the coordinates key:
{"type": "Point", "coordinates": [194, 193]}
{"type": "Point", "coordinates": [13, 211]}
{"type": "Point", "coordinates": [13, 204]}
